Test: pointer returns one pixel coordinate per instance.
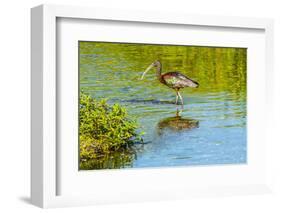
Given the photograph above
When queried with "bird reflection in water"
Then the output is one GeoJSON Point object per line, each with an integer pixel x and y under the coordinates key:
{"type": "Point", "coordinates": [176, 124]}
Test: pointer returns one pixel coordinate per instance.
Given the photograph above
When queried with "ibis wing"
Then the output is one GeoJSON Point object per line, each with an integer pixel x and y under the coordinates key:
{"type": "Point", "coordinates": [178, 80]}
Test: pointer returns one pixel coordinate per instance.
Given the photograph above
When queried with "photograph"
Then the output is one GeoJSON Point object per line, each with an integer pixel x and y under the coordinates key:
{"type": "Point", "coordinates": [161, 105]}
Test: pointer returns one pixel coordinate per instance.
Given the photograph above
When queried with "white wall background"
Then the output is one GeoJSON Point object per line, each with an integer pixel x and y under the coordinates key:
{"type": "Point", "coordinates": [15, 98]}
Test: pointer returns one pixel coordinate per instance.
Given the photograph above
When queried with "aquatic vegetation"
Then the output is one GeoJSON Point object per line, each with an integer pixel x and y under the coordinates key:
{"type": "Point", "coordinates": [104, 128]}
{"type": "Point", "coordinates": [113, 160]}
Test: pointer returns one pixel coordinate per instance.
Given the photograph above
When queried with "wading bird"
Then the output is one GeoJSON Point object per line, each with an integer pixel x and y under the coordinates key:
{"type": "Point", "coordinates": [174, 80]}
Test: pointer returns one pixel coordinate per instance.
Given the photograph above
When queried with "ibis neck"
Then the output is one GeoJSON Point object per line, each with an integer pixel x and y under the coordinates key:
{"type": "Point", "coordinates": [158, 71]}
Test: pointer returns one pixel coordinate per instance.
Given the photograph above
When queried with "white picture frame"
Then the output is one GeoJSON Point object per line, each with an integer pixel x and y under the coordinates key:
{"type": "Point", "coordinates": [44, 154]}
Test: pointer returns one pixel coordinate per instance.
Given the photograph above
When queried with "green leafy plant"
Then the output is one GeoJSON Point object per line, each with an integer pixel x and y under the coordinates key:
{"type": "Point", "coordinates": [104, 128]}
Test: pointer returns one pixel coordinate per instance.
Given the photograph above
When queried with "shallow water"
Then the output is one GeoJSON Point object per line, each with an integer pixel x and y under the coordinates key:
{"type": "Point", "coordinates": [211, 129]}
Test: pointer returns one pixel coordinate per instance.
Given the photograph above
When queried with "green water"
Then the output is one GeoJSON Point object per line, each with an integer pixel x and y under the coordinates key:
{"type": "Point", "coordinates": [211, 128]}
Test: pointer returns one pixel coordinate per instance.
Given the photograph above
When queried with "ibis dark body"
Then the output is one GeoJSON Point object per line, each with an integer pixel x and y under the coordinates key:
{"type": "Point", "coordinates": [174, 80]}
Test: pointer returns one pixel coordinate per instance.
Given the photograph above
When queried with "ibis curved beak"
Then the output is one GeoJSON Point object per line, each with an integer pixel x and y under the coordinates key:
{"type": "Point", "coordinates": [147, 69]}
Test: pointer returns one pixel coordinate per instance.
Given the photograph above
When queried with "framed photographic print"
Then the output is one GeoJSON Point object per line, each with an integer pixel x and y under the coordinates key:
{"type": "Point", "coordinates": [130, 106]}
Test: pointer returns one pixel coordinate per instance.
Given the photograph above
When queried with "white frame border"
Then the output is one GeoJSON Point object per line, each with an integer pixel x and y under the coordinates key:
{"type": "Point", "coordinates": [43, 92]}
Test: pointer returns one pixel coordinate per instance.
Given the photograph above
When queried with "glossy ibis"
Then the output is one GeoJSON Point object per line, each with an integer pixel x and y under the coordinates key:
{"type": "Point", "coordinates": [174, 80]}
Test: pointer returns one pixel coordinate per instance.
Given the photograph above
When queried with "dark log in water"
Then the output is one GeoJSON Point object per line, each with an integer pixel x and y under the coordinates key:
{"type": "Point", "coordinates": [146, 101]}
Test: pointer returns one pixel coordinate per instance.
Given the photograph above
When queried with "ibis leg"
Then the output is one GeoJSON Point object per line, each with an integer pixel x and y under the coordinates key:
{"type": "Point", "coordinates": [178, 112]}
{"type": "Point", "coordinates": [177, 98]}
{"type": "Point", "coordinates": [180, 98]}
